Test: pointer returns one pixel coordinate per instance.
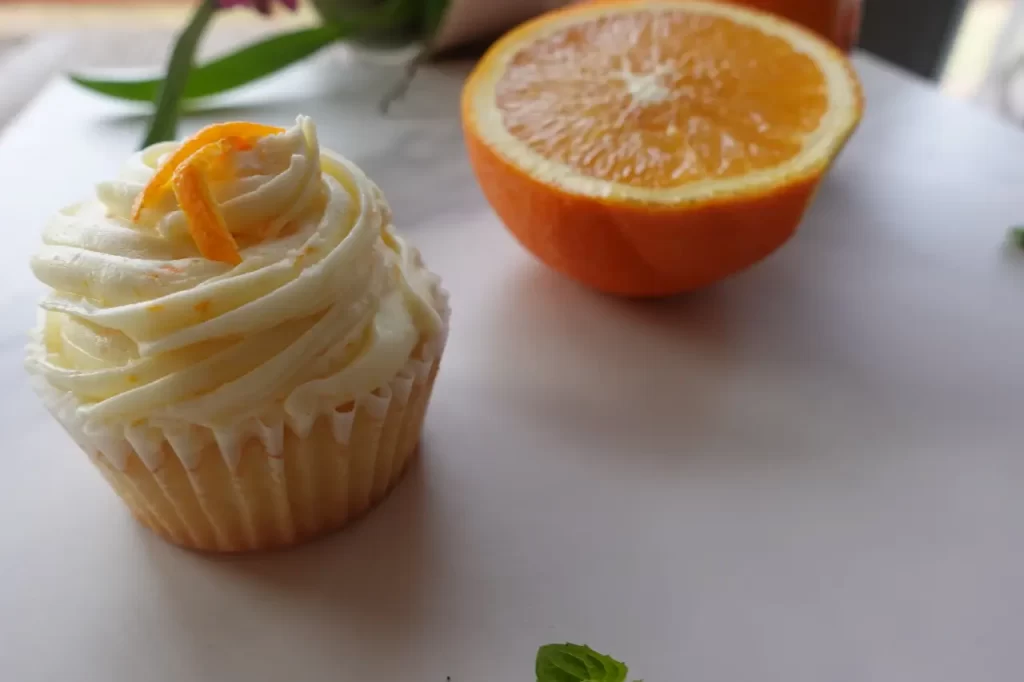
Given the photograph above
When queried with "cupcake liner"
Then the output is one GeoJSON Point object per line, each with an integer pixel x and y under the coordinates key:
{"type": "Point", "coordinates": [264, 485]}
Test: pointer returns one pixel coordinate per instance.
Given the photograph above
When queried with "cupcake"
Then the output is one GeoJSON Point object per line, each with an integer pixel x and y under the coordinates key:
{"type": "Point", "coordinates": [237, 337]}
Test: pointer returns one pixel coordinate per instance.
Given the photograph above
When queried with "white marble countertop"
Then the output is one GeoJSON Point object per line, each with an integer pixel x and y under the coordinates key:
{"type": "Point", "coordinates": [810, 473]}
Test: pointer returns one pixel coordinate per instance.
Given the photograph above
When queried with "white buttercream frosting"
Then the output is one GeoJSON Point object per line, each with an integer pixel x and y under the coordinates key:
{"type": "Point", "coordinates": [144, 340]}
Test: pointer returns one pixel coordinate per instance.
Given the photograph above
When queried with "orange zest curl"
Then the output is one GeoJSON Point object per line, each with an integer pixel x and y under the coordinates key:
{"type": "Point", "coordinates": [241, 131]}
{"type": "Point", "coordinates": [206, 156]}
{"type": "Point", "coordinates": [205, 221]}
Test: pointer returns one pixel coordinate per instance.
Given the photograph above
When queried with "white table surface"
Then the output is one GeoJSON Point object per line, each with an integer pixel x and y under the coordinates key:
{"type": "Point", "coordinates": [811, 473]}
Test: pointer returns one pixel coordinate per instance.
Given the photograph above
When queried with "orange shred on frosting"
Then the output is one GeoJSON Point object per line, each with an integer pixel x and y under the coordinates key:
{"type": "Point", "coordinates": [240, 133]}
{"type": "Point", "coordinates": [205, 221]}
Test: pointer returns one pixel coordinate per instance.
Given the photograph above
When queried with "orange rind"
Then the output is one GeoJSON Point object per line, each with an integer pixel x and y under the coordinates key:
{"type": "Point", "coordinates": [206, 156]}
{"type": "Point", "coordinates": [243, 133]}
{"type": "Point", "coordinates": [205, 221]}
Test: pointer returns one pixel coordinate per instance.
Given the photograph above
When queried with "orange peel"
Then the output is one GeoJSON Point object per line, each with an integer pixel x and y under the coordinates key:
{"type": "Point", "coordinates": [205, 222]}
{"type": "Point", "coordinates": [241, 132]}
{"type": "Point", "coordinates": [215, 158]}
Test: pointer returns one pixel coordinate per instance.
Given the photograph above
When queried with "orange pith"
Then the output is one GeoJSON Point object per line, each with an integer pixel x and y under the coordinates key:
{"type": "Point", "coordinates": [240, 131]}
{"type": "Point", "coordinates": [647, 148]}
{"type": "Point", "coordinates": [634, 98]}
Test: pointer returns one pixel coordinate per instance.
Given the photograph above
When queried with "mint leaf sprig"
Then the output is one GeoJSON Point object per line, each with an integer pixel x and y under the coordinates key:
{"type": "Point", "coordinates": [577, 663]}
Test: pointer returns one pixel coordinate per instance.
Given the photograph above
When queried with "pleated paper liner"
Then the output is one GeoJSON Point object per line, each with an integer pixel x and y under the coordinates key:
{"type": "Point", "coordinates": [348, 462]}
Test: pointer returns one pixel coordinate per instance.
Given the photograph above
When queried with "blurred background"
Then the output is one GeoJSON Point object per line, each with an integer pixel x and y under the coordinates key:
{"type": "Point", "coordinates": [972, 49]}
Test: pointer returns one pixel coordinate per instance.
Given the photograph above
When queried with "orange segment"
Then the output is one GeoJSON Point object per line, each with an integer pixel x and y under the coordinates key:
{"type": "Point", "coordinates": [240, 131]}
{"type": "Point", "coordinates": [205, 222]}
{"type": "Point", "coordinates": [649, 148]}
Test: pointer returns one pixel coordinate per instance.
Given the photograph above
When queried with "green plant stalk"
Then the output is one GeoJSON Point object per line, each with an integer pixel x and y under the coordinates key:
{"type": "Point", "coordinates": [373, 21]}
{"type": "Point", "coordinates": [433, 12]}
{"type": "Point", "coordinates": [164, 125]}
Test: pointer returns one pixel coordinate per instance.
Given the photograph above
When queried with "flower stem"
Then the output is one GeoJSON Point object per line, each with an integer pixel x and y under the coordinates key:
{"type": "Point", "coordinates": [398, 90]}
{"type": "Point", "coordinates": [433, 14]}
{"type": "Point", "coordinates": [164, 125]}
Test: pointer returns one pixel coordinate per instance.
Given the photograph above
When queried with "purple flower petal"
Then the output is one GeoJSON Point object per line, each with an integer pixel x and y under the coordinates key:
{"type": "Point", "coordinates": [261, 6]}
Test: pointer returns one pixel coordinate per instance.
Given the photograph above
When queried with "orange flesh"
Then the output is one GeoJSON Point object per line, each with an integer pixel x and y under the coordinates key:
{"type": "Point", "coordinates": [659, 100]}
{"type": "Point", "coordinates": [241, 132]}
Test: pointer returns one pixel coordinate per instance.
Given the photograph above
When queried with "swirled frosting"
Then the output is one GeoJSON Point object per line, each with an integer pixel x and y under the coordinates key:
{"type": "Point", "coordinates": [327, 305]}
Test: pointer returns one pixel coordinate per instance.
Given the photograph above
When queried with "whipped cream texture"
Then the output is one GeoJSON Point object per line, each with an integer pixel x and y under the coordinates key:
{"type": "Point", "coordinates": [141, 332]}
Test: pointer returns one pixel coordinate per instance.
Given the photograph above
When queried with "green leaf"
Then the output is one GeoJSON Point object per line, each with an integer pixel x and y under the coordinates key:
{"type": "Point", "coordinates": [132, 90]}
{"type": "Point", "coordinates": [247, 64]}
{"type": "Point", "coordinates": [165, 121]}
{"type": "Point", "coordinates": [433, 14]}
{"type": "Point", "coordinates": [577, 663]}
{"type": "Point", "coordinates": [1017, 236]}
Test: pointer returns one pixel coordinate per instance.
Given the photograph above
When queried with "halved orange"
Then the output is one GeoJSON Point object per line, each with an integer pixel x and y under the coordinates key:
{"type": "Point", "coordinates": [648, 148]}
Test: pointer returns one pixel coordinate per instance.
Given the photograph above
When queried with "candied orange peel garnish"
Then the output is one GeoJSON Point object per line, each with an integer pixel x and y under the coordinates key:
{"type": "Point", "coordinates": [205, 221]}
{"type": "Point", "coordinates": [240, 133]}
